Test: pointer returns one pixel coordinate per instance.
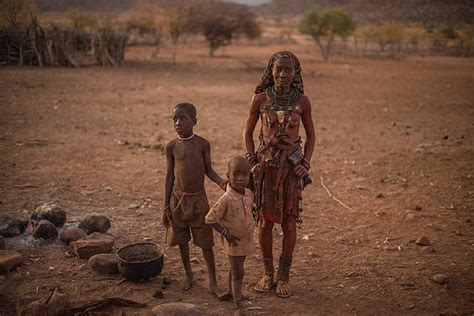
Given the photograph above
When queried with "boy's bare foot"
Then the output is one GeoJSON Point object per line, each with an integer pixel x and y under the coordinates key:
{"type": "Point", "coordinates": [227, 296]}
{"type": "Point", "coordinates": [265, 284]}
{"type": "Point", "coordinates": [187, 283]}
{"type": "Point", "coordinates": [283, 289]}
{"type": "Point", "coordinates": [214, 290]}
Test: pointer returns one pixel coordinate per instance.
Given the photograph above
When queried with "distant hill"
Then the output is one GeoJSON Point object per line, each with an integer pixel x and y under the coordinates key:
{"type": "Point", "coordinates": [427, 12]}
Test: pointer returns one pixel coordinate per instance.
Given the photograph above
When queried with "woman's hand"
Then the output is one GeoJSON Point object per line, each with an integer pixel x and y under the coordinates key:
{"type": "Point", "coordinates": [300, 171]}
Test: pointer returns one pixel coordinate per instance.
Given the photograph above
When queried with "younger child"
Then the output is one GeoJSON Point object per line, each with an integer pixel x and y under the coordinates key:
{"type": "Point", "coordinates": [188, 160]}
{"type": "Point", "coordinates": [232, 217]}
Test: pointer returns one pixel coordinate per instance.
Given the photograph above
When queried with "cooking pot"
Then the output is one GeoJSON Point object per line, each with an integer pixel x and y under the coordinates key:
{"type": "Point", "coordinates": [140, 261]}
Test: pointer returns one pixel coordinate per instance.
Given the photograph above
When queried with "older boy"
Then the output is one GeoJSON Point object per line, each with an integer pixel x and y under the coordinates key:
{"type": "Point", "coordinates": [188, 159]}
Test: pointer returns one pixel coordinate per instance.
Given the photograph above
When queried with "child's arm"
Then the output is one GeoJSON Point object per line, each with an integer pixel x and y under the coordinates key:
{"type": "Point", "coordinates": [211, 173]}
{"type": "Point", "coordinates": [169, 182]}
{"type": "Point", "coordinates": [214, 215]}
{"type": "Point", "coordinates": [231, 239]}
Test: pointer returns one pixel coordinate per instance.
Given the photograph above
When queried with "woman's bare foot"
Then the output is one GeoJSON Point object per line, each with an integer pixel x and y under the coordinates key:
{"type": "Point", "coordinates": [265, 284]}
{"type": "Point", "coordinates": [283, 289]}
{"type": "Point", "coordinates": [187, 283]}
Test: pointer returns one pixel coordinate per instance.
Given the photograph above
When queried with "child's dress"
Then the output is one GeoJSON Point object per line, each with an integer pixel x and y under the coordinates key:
{"type": "Point", "coordinates": [234, 212]}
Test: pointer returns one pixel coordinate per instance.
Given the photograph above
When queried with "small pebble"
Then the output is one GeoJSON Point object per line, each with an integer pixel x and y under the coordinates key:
{"type": "Point", "coordinates": [380, 195]}
{"type": "Point", "coordinates": [418, 208]}
{"type": "Point", "coordinates": [440, 279]}
{"type": "Point", "coordinates": [423, 241]}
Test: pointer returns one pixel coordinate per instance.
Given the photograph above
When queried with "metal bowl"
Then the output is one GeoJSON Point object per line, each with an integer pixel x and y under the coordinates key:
{"type": "Point", "coordinates": [140, 261]}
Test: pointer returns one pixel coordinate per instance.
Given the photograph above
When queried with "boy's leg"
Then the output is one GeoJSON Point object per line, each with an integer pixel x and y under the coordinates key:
{"type": "Point", "coordinates": [237, 268]}
{"type": "Point", "coordinates": [265, 238]}
{"type": "Point", "coordinates": [188, 279]}
{"type": "Point", "coordinates": [211, 270]}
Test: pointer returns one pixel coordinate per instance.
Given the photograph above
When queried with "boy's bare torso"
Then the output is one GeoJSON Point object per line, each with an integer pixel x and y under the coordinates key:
{"type": "Point", "coordinates": [189, 164]}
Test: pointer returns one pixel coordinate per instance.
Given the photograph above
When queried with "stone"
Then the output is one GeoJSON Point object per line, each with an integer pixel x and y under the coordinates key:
{"type": "Point", "coordinates": [418, 208]}
{"type": "Point", "coordinates": [11, 227]}
{"type": "Point", "coordinates": [51, 212]}
{"type": "Point", "coordinates": [195, 260]}
{"type": "Point", "coordinates": [177, 309]}
{"type": "Point", "coordinates": [105, 263]}
{"type": "Point", "coordinates": [440, 279]}
{"type": "Point", "coordinates": [2, 243]}
{"type": "Point", "coordinates": [380, 195]}
{"type": "Point", "coordinates": [71, 234]}
{"type": "Point", "coordinates": [427, 249]}
{"type": "Point", "coordinates": [9, 259]}
{"type": "Point", "coordinates": [423, 241]}
{"type": "Point", "coordinates": [45, 230]}
{"type": "Point", "coordinates": [95, 223]}
{"type": "Point", "coordinates": [91, 245]}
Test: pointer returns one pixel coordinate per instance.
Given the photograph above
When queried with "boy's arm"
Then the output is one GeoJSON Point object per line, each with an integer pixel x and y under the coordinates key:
{"type": "Point", "coordinates": [169, 182]}
{"type": "Point", "coordinates": [211, 173]}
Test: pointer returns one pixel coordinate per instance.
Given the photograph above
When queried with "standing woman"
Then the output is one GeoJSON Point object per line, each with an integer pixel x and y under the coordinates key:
{"type": "Point", "coordinates": [280, 168]}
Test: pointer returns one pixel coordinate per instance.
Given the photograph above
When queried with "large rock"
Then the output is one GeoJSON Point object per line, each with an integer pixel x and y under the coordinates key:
{"type": "Point", "coordinates": [11, 227]}
{"type": "Point", "coordinates": [92, 245]}
{"type": "Point", "coordinates": [9, 259]}
{"type": "Point", "coordinates": [45, 230]}
{"type": "Point", "coordinates": [71, 234]}
{"type": "Point", "coordinates": [105, 263]}
{"type": "Point", "coordinates": [177, 309]}
{"type": "Point", "coordinates": [51, 212]}
{"type": "Point", "coordinates": [95, 223]}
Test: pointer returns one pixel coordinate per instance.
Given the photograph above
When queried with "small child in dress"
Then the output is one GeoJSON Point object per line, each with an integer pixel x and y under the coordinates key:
{"type": "Point", "coordinates": [232, 218]}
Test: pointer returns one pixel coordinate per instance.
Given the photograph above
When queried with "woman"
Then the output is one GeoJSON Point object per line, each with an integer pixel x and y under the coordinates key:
{"type": "Point", "coordinates": [280, 169]}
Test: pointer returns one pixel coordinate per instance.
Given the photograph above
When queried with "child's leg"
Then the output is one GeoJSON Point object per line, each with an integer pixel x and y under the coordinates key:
{"type": "Point", "coordinates": [211, 270]}
{"type": "Point", "coordinates": [184, 251]}
{"type": "Point", "coordinates": [237, 268]}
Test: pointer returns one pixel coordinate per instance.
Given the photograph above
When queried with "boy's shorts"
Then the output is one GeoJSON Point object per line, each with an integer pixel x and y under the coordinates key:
{"type": "Point", "coordinates": [188, 213]}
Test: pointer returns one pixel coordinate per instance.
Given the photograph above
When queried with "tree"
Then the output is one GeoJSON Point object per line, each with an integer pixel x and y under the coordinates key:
{"type": "Point", "coordinates": [16, 13]}
{"type": "Point", "coordinates": [179, 21]}
{"type": "Point", "coordinates": [81, 20]}
{"type": "Point", "coordinates": [224, 22]}
{"type": "Point", "coordinates": [326, 28]}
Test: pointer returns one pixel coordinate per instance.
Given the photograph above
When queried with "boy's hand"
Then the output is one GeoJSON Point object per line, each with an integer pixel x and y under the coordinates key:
{"type": "Point", "coordinates": [166, 218]}
{"type": "Point", "coordinates": [223, 185]}
{"type": "Point", "coordinates": [231, 239]}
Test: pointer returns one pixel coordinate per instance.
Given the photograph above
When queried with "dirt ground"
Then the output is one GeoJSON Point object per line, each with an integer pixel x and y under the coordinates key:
{"type": "Point", "coordinates": [394, 143]}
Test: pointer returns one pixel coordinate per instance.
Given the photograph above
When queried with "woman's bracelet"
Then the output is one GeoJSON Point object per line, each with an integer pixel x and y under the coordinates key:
{"type": "Point", "coordinates": [305, 164]}
{"type": "Point", "coordinates": [224, 232]}
{"type": "Point", "coordinates": [251, 158]}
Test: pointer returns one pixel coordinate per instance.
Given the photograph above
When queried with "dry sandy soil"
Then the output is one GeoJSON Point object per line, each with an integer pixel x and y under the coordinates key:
{"type": "Point", "coordinates": [395, 144]}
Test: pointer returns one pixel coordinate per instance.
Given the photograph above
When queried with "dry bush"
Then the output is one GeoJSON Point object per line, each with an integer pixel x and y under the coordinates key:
{"type": "Point", "coordinates": [16, 13]}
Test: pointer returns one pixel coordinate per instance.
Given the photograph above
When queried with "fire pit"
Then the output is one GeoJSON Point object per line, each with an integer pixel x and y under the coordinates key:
{"type": "Point", "coordinates": [140, 261]}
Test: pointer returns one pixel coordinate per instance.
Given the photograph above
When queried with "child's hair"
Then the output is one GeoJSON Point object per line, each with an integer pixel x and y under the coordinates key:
{"type": "Point", "coordinates": [235, 159]}
{"type": "Point", "coordinates": [188, 107]}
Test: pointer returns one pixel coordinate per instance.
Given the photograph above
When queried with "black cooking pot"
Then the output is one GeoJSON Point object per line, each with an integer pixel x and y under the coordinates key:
{"type": "Point", "coordinates": [140, 261]}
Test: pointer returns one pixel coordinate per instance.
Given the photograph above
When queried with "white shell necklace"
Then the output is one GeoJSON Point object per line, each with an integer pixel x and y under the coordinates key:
{"type": "Point", "coordinates": [186, 138]}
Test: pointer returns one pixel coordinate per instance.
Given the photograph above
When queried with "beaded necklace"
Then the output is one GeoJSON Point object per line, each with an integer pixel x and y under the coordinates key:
{"type": "Point", "coordinates": [186, 138]}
